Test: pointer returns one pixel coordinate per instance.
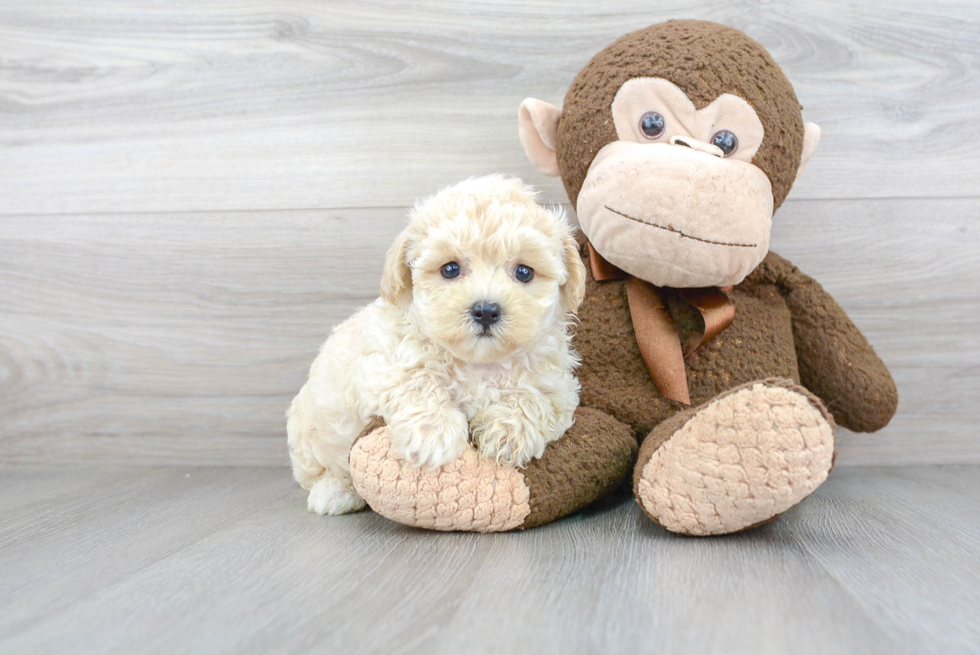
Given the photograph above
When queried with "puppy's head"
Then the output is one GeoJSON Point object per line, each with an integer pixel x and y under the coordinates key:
{"type": "Point", "coordinates": [486, 270]}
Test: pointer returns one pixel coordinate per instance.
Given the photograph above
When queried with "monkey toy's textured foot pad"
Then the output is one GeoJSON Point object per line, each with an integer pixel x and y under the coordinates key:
{"type": "Point", "coordinates": [737, 461]}
{"type": "Point", "coordinates": [474, 494]}
{"type": "Point", "coordinates": [470, 493]}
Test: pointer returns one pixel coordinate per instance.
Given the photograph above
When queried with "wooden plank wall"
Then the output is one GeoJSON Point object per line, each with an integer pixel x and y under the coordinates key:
{"type": "Point", "coordinates": [192, 193]}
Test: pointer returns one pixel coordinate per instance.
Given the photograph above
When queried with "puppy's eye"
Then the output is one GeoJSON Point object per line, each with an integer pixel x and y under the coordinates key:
{"type": "Point", "coordinates": [653, 124]}
{"type": "Point", "coordinates": [524, 273]}
{"type": "Point", "coordinates": [726, 140]}
{"type": "Point", "coordinates": [450, 270]}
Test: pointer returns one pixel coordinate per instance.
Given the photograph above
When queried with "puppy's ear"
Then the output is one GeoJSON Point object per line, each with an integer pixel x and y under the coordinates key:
{"type": "Point", "coordinates": [396, 278]}
{"type": "Point", "coordinates": [573, 291]}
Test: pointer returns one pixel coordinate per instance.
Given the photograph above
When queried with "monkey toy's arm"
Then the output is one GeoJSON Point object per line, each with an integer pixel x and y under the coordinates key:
{"type": "Point", "coordinates": [836, 361]}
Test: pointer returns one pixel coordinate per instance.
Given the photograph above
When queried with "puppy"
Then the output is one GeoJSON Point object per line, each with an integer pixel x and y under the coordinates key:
{"type": "Point", "coordinates": [469, 341]}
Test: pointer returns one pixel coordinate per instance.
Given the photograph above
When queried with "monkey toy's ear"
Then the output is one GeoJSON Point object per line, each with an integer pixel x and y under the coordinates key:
{"type": "Point", "coordinates": [538, 126]}
{"type": "Point", "coordinates": [811, 137]}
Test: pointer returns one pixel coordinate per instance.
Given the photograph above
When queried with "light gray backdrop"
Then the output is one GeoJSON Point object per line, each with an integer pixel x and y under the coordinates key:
{"type": "Point", "coordinates": [192, 194]}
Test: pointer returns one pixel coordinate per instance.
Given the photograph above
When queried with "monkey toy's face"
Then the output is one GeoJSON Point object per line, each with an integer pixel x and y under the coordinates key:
{"type": "Point", "coordinates": [676, 200]}
{"type": "Point", "coordinates": [673, 192]}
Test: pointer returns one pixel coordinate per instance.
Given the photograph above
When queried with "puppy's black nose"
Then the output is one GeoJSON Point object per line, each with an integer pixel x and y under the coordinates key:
{"type": "Point", "coordinates": [485, 313]}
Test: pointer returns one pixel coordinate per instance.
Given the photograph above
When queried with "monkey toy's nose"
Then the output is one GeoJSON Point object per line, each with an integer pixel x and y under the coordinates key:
{"type": "Point", "coordinates": [485, 313]}
{"type": "Point", "coordinates": [694, 144]}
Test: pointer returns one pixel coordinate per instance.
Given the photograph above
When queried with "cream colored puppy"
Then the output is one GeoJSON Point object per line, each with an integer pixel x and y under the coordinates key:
{"type": "Point", "coordinates": [468, 342]}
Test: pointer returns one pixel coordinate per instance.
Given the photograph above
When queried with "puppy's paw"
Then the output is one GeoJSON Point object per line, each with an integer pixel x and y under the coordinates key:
{"type": "Point", "coordinates": [431, 440]}
{"type": "Point", "coordinates": [333, 497]}
{"type": "Point", "coordinates": [507, 436]}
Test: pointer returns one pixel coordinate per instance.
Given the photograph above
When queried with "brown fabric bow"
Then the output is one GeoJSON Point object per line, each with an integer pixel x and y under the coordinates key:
{"type": "Point", "coordinates": [656, 333]}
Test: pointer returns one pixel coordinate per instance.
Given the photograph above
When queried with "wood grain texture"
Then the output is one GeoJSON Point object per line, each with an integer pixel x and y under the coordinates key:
{"type": "Point", "coordinates": [228, 560]}
{"type": "Point", "coordinates": [115, 106]}
{"type": "Point", "coordinates": [93, 528]}
{"type": "Point", "coordinates": [181, 338]}
{"type": "Point", "coordinates": [903, 584]}
{"type": "Point", "coordinates": [176, 337]}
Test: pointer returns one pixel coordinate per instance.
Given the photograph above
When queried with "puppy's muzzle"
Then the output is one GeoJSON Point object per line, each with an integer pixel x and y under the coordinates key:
{"type": "Point", "coordinates": [485, 313]}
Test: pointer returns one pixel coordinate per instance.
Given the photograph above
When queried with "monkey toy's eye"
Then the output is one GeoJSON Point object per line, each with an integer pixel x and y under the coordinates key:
{"type": "Point", "coordinates": [450, 270]}
{"type": "Point", "coordinates": [653, 124]}
{"type": "Point", "coordinates": [523, 273]}
{"type": "Point", "coordinates": [725, 140]}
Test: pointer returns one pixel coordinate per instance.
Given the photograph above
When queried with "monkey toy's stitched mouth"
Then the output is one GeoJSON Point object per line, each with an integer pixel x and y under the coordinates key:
{"type": "Point", "coordinates": [674, 230]}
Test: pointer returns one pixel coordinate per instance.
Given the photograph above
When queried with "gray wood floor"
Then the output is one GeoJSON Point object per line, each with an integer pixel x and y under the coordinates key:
{"type": "Point", "coordinates": [227, 560]}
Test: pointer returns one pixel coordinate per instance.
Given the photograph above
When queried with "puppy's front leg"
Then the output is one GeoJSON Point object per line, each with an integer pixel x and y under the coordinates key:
{"type": "Point", "coordinates": [516, 429]}
{"type": "Point", "coordinates": [425, 427]}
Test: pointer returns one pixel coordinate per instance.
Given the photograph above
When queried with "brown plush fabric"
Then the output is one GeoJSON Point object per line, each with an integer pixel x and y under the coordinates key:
{"type": "Point", "coordinates": [590, 461]}
{"type": "Point", "coordinates": [836, 361]}
{"type": "Point", "coordinates": [757, 345]}
{"type": "Point", "coordinates": [376, 422]}
{"type": "Point", "coordinates": [785, 326]}
{"type": "Point", "coordinates": [705, 60]}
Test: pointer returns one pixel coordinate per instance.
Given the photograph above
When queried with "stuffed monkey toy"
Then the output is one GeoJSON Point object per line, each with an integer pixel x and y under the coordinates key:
{"type": "Point", "coordinates": [712, 369]}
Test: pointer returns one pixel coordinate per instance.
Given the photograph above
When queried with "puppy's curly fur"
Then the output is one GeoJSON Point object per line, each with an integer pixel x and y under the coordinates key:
{"type": "Point", "coordinates": [421, 358]}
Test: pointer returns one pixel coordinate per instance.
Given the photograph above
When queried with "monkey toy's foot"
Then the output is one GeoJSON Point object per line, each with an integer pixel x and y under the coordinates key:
{"type": "Point", "coordinates": [737, 461]}
{"type": "Point", "coordinates": [474, 494]}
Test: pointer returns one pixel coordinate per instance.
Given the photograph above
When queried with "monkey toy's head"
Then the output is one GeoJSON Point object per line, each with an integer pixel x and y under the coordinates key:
{"type": "Point", "coordinates": [676, 143]}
